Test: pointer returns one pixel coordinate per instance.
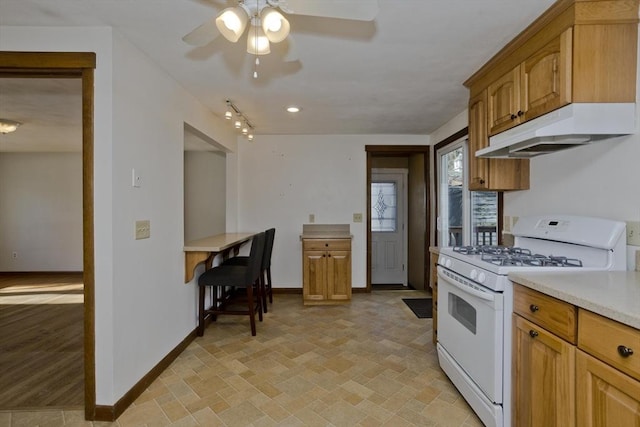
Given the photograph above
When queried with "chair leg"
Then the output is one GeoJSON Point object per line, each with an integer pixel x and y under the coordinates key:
{"type": "Point", "coordinates": [263, 291]}
{"type": "Point", "coordinates": [252, 311]}
{"type": "Point", "coordinates": [268, 285]}
{"type": "Point", "coordinates": [201, 294]}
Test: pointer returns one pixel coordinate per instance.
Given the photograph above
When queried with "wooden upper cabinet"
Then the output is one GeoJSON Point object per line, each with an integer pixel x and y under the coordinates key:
{"type": "Point", "coordinates": [491, 174]}
{"type": "Point", "coordinates": [577, 51]}
{"type": "Point", "coordinates": [546, 78]}
{"type": "Point", "coordinates": [478, 139]}
{"type": "Point", "coordinates": [505, 110]}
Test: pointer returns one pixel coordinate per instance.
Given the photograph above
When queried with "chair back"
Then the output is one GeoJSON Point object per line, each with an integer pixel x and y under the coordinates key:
{"type": "Point", "coordinates": [255, 258]}
{"type": "Point", "coordinates": [268, 248]}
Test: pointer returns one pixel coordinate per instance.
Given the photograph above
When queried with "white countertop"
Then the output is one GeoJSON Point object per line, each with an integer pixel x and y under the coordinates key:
{"type": "Point", "coordinates": [612, 294]}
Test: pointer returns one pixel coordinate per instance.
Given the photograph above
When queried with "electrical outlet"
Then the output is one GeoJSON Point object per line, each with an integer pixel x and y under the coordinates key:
{"type": "Point", "coordinates": [143, 229]}
{"type": "Point", "coordinates": [14, 254]}
{"type": "Point", "coordinates": [633, 233]}
{"type": "Point", "coordinates": [357, 217]}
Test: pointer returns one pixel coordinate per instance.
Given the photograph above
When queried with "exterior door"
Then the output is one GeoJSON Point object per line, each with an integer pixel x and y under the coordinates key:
{"type": "Point", "coordinates": [388, 226]}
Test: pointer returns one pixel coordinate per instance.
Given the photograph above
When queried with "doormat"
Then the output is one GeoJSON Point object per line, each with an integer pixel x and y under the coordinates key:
{"type": "Point", "coordinates": [421, 307]}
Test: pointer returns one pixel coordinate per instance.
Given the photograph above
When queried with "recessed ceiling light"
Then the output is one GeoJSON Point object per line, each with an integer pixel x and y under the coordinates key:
{"type": "Point", "coordinates": [293, 109]}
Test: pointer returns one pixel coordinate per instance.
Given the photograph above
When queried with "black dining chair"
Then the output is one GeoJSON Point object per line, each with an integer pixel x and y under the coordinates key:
{"type": "Point", "coordinates": [226, 281]}
{"type": "Point", "coordinates": [265, 271]}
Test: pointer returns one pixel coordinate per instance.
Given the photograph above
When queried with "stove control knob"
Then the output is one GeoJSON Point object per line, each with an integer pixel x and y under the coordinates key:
{"type": "Point", "coordinates": [447, 263]}
{"type": "Point", "coordinates": [481, 277]}
{"type": "Point", "coordinates": [474, 274]}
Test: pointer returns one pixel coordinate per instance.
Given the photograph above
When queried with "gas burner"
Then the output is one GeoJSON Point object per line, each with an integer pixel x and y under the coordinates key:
{"type": "Point", "coordinates": [490, 249]}
{"type": "Point", "coordinates": [524, 258]}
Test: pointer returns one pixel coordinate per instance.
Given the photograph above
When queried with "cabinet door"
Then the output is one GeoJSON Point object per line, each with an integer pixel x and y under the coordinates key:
{"type": "Point", "coordinates": [478, 139]}
{"type": "Point", "coordinates": [504, 110]}
{"type": "Point", "coordinates": [543, 377]}
{"type": "Point", "coordinates": [546, 77]}
{"type": "Point", "coordinates": [605, 396]}
{"type": "Point", "coordinates": [314, 275]}
{"type": "Point", "coordinates": [339, 275]}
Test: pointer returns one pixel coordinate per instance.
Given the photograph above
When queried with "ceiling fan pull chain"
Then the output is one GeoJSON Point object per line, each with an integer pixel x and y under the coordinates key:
{"type": "Point", "coordinates": [255, 68]}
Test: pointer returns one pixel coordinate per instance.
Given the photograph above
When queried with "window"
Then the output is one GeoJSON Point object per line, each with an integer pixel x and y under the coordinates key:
{"type": "Point", "coordinates": [383, 206]}
{"type": "Point", "coordinates": [464, 217]}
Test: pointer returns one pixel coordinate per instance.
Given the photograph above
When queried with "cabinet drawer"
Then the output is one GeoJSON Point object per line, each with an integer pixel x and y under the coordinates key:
{"type": "Point", "coordinates": [326, 244]}
{"type": "Point", "coordinates": [550, 313]}
{"type": "Point", "coordinates": [601, 337]}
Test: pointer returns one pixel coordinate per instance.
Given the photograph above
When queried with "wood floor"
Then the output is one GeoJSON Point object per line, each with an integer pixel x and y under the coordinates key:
{"type": "Point", "coordinates": [41, 340]}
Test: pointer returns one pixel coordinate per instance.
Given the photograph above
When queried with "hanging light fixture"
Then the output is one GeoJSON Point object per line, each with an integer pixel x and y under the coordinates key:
{"type": "Point", "coordinates": [8, 126]}
{"type": "Point", "coordinates": [257, 42]}
{"type": "Point", "coordinates": [228, 114]}
{"type": "Point", "coordinates": [275, 26]}
{"type": "Point", "coordinates": [232, 22]}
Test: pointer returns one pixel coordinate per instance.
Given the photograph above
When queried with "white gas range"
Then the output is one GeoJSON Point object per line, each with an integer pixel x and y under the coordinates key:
{"type": "Point", "coordinates": [475, 299]}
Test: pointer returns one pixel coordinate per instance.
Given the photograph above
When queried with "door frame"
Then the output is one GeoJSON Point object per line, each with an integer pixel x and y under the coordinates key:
{"type": "Point", "coordinates": [400, 151]}
{"type": "Point", "coordinates": [76, 65]}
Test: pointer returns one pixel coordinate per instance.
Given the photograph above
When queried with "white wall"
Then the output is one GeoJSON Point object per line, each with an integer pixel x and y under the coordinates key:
{"type": "Point", "coordinates": [284, 178]}
{"type": "Point", "coordinates": [41, 214]}
{"type": "Point", "coordinates": [143, 309]}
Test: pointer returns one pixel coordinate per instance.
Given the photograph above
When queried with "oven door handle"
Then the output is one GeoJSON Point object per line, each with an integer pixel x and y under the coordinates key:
{"type": "Point", "coordinates": [468, 289]}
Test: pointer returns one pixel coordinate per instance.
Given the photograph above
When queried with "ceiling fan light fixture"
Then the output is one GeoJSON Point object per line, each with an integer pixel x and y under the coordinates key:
{"type": "Point", "coordinates": [257, 42]}
{"type": "Point", "coordinates": [231, 23]}
{"type": "Point", "coordinates": [8, 126]}
{"type": "Point", "coordinates": [275, 26]}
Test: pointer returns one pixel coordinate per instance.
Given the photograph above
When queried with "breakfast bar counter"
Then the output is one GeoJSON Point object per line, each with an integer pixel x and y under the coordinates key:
{"type": "Point", "coordinates": [205, 249]}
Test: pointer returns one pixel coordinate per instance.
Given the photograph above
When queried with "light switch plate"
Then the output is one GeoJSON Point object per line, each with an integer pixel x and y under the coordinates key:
{"type": "Point", "coordinates": [143, 229]}
{"type": "Point", "coordinates": [357, 217]}
{"type": "Point", "coordinates": [312, 218]}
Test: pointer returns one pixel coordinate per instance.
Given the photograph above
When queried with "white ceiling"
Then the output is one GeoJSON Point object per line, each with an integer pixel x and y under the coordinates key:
{"type": "Point", "coordinates": [400, 74]}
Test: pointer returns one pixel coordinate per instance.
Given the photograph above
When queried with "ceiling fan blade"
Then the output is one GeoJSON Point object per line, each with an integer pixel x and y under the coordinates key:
{"type": "Point", "coordinates": [203, 35]}
{"type": "Point", "coordinates": [359, 10]}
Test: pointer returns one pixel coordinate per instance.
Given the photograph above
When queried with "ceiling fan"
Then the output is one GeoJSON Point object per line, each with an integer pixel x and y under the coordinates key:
{"type": "Point", "coordinates": [269, 25]}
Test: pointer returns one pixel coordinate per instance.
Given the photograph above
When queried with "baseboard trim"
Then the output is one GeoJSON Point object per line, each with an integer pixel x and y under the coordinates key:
{"type": "Point", "coordinates": [293, 291]}
{"type": "Point", "coordinates": [111, 413]}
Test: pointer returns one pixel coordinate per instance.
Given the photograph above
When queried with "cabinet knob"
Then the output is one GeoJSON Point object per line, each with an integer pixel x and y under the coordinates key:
{"type": "Point", "coordinates": [329, 255]}
{"type": "Point", "coordinates": [513, 117]}
{"type": "Point", "coordinates": [326, 245]}
{"type": "Point", "coordinates": [534, 308]}
{"type": "Point", "coordinates": [520, 113]}
{"type": "Point", "coordinates": [533, 333]}
{"type": "Point", "coordinates": [625, 351]}
{"type": "Point", "coordinates": [481, 181]}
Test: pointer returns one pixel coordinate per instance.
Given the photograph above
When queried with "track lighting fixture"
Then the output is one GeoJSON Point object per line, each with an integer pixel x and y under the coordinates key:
{"type": "Point", "coordinates": [241, 121]}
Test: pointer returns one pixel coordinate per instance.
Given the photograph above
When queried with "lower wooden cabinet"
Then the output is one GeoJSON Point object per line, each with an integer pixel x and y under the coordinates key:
{"type": "Point", "coordinates": [555, 382]}
{"type": "Point", "coordinates": [605, 396]}
{"type": "Point", "coordinates": [326, 271]}
{"type": "Point", "coordinates": [544, 383]}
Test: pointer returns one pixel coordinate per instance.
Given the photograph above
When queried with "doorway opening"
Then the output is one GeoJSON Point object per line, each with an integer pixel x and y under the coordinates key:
{"type": "Point", "coordinates": [72, 65]}
{"type": "Point", "coordinates": [414, 159]}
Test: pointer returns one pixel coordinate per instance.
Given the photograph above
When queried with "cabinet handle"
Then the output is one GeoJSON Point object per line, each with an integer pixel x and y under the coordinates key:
{"type": "Point", "coordinates": [533, 333]}
{"type": "Point", "coordinates": [513, 117]}
{"type": "Point", "coordinates": [481, 181]}
{"type": "Point", "coordinates": [326, 245]}
{"type": "Point", "coordinates": [534, 308]}
{"type": "Point", "coordinates": [329, 255]}
{"type": "Point", "coordinates": [625, 351]}
{"type": "Point", "coordinates": [520, 113]}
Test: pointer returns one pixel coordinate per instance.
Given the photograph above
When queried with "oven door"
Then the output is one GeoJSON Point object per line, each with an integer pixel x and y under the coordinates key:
{"type": "Point", "coordinates": [470, 329]}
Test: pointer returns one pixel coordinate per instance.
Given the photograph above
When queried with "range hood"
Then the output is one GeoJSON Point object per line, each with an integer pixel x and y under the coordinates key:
{"type": "Point", "coordinates": [569, 126]}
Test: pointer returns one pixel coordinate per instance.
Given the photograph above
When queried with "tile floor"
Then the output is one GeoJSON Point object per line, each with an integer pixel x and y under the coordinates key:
{"type": "Point", "coordinates": [370, 363]}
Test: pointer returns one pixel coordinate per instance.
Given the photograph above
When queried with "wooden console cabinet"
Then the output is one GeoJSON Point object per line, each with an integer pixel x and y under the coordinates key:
{"type": "Point", "coordinates": [578, 51]}
{"type": "Point", "coordinates": [326, 266]}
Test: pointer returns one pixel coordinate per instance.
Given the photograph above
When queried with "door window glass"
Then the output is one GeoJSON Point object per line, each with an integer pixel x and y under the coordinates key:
{"type": "Point", "coordinates": [383, 206]}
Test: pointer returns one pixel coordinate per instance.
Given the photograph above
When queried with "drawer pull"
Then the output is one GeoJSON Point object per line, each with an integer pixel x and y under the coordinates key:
{"type": "Point", "coordinates": [534, 308]}
{"type": "Point", "coordinates": [533, 333]}
{"type": "Point", "coordinates": [625, 351]}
